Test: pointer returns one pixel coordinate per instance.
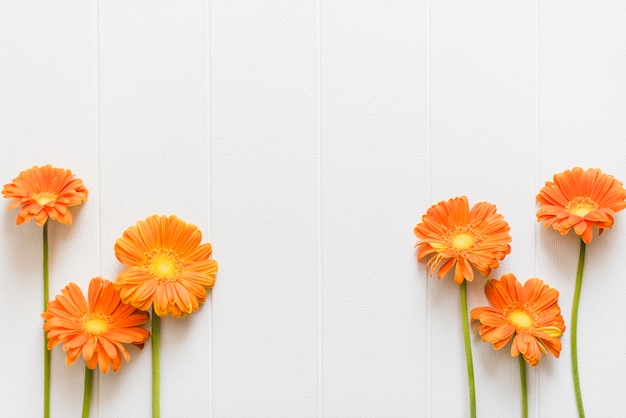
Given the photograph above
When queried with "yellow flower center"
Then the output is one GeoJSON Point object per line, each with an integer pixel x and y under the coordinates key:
{"type": "Point", "coordinates": [581, 206]}
{"type": "Point", "coordinates": [462, 241]}
{"type": "Point", "coordinates": [164, 265]}
{"type": "Point", "coordinates": [44, 198]}
{"type": "Point", "coordinates": [96, 324]}
{"type": "Point", "coordinates": [521, 320]}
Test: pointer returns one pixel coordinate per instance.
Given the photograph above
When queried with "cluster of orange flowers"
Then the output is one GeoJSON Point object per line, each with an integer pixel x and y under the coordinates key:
{"type": "Point", "coordinates": [167, 268]}
{"type": "Point", "coordinates": [457, 237]}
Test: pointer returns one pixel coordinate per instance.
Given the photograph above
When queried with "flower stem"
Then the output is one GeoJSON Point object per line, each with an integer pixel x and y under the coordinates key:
{"type": "Point", "coordinates": [522, 378]}
{"type": "Point", "coordinates": [579, 282]}
{"type": "Point", "coordinates": [46, 352]}
{"type": "Point", "coordinates": [156, 370]}
{"type": "Point", "coordinates": [468, 350]}
{"type": "Point", "coordinates": [87, 392]}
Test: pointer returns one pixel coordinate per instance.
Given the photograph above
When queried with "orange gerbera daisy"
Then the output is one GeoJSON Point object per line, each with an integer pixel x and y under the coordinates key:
{"type": "Point", "coordinates": [581, 199]}
{"type": "Point", "coordinates": [45, 192]}
{"type": "Point", "coordinates": [99, 329]}
{"type": "Point", "coordinates": [454, 235]}
{"type": "Point", "coordinates": [166, 265]}
{"type": "Point", "coordinates": [530, 313]}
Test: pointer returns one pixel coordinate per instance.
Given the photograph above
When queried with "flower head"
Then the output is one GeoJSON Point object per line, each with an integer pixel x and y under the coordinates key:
{"type": "Point", "coordinates": [45, 192]}
{"type": "Point", "coordinates": [166, 265]}
{"type": "Point", "coordinates": [456, 236]}
{"type": "Point", "coordinates": [581, 199]}
{"type": "Point", "coordinates": [97, 329]}
{"type": "Point", "coordinates": [529, 314]}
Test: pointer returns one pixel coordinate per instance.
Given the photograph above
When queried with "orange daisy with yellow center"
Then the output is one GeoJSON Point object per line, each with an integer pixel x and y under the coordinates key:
{"type": "Point", "coordinates": [45, 192]}
{"type": "Point", "coordinates": [97, 329]}
{"type": "Point", "coordinates": [529, 314]}
{"type": "Point", "coordinates": [168, 268]}
{"type": "Point", "coordinates": [581, 199]}
{"type": "Point", "coordinates": [456, 237]}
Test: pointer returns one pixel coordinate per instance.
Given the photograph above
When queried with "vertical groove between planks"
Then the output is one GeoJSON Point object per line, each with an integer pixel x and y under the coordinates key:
{"type": "Point", "coordinates": [96, 376]}
{"type": "Point", "coordinates": [210, 193]}
{"type": "Point", "coordinates": [320, 336]}
{"type": "Point", "coordinates": [536, 105]}
{"type": "Point", "coordinates": [428, 195]}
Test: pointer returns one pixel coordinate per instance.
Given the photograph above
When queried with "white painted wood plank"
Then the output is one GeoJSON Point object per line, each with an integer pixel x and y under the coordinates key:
{"type": "Point", "coordinates": [374, 182]}
{"type": "Point", "coordinates": [47, 116]}
{"type": "Point", "coordinates": [582, 102]}
{"type": "Point", "coordinates": [482, 146]}
{"type": "Point", "coordinates": [154, 157]}
{"type": "Point", "coordinates": [264, 188]}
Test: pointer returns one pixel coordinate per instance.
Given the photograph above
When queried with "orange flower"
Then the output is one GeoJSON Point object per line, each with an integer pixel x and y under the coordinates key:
{"type": "Point", "coordinates": [166, 265]}
{"type": "Point", "coordinates": [45, 192]}
{"type": "Point", "coordinates": [531, 313]}
{"type": "Point", "coordinates": [98, 329]}
{"type": "Point", "coordinates": [457, 236]}
{"type": "Point", "coordinates": [581, 199]}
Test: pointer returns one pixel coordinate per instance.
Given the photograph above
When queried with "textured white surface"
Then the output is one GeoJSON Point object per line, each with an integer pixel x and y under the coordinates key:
{"type": "Point", "coordinates": [306, 139]}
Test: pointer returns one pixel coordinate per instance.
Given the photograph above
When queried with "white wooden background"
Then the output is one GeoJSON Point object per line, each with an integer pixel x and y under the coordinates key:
{"type": "Point", "coordinates": [306, 139]}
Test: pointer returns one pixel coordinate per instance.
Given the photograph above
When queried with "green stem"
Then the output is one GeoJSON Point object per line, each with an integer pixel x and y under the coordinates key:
{"type": "Point", "coordinates": [468, 350]}
{"type": "Point", "coordinates": [46, 352]}
{"type": "Point", "coordinates": [522, 378]}
{"type": "Point", "coordinates": [87, 392]}
{"type": "Point", "coordinates": [579, 282]}
{"type": "Point", "coordinates": [156, 369]}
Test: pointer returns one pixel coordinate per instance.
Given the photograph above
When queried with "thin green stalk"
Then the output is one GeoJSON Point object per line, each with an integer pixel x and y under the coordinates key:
{"type": "Point", "coordinates": [156, 369]}
{"type": "Point", "coordinates": [522, 378]}
{"type": "Point", "coordinates": [579, 282]}
{"type": "Point", "coordinates": [468, 350]}
{"type": "Point", "coordinates": [46, 352]}
{"type": "Point", "coordinates": [87, 392]}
